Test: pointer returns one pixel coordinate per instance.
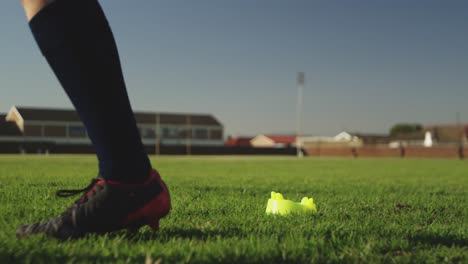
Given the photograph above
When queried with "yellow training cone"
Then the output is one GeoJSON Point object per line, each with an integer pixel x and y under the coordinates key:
{"type": "Point", "coordinates": [278, 205]}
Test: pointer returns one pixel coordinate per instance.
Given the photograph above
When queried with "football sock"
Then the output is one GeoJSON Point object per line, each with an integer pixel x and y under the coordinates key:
{"type": "Point", "coordinates": [75, 38]}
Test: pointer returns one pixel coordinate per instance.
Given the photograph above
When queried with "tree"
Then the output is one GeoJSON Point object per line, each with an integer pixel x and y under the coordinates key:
{"type": "Point", "coordinates": [405, 128]}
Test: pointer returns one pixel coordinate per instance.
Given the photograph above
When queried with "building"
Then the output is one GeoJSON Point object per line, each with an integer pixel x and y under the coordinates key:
{"type": "Point", "coordinates": [434, 135]}
{"type": "Point", "coordinates": [273, 141]}
{"type": "Point", "coordinates": [8, 129]}
{"type": "Point", "coordinates": [262, 141]}
{"type": "Point", "coordinates": [238, 142]}
{"type": "Point", "coordinates": [373, 139]}
{"type": "Point", "coordinates": [448, 134]}
{"type": "Point", "coordinates": [342, 139]}
{"type": "Point", "coordinates": [45, 127]}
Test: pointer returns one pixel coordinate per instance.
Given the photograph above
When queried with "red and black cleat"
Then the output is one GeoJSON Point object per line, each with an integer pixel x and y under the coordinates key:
{"type": "Point", "coordinates": [107, 206]}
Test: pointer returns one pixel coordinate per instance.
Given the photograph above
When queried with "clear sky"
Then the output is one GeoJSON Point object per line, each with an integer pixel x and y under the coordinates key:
{"type": "Point", "coordinates": [368, 64]}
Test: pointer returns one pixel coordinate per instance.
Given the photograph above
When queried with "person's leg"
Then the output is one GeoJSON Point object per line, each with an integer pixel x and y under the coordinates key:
{"type": "Point", "coordinates": [75, 38]}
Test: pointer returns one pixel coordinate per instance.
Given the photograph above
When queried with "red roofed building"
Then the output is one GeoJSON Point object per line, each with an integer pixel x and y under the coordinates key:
{"type": "Point", "coordinates": [273, 141]}
{"type": "Point", "coordinates": [238, 142]}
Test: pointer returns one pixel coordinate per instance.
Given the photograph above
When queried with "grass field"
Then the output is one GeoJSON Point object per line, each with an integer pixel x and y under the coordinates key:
{"type": "Point", "coordinates": [369, 210]}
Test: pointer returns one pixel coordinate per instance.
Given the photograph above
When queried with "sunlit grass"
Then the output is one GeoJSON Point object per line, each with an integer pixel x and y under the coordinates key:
{"type": "Point", "coordinates": [369, 210]}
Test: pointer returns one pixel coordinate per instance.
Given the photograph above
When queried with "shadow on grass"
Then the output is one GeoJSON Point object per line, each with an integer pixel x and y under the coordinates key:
{"type": "Point", "coordinates": [437, 239]}
{"type": "Point", "coordinates": [198, 234]}
{"type": "Point", "coordinates": [178, 233]}
{"type": "Point", "coordinates": [45, 257]}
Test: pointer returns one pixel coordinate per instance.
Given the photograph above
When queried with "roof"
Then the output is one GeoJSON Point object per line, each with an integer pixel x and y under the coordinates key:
{"type": "Point", "coordinates": [48, 114]}
{"type": "Point", "coordinates": [9, 129]}
{"type": "Point", "coordinates": [282, 139]}
{"type": "Point", "coordinates": [343, 136]}
{"type": "Point", "coordinates": [238, 142]}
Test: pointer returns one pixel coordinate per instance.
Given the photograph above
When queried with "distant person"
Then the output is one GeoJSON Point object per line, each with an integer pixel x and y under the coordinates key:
{"type": "Point", "coordinates": [354, 152]}
{"type": "Point", "coordinates": [461, 155]}
{"type": "Point", "coordinates": [402, 151]}
{"type": "Point", "coordinates": [75, 38]}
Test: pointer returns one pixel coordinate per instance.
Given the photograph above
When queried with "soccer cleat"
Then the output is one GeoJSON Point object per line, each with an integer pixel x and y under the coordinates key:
{"type": "Point", "coordinates": [107, 206]}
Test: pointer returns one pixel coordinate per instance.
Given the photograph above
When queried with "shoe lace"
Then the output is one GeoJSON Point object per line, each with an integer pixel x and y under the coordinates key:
{"type": "Point", "coordinates": [71, 211]}
{"type": "Point", "coordinates": [68, 193]}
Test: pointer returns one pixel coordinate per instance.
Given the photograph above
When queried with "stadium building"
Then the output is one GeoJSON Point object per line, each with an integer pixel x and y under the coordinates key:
{"type": "Point", "coordinates": [43, 130]}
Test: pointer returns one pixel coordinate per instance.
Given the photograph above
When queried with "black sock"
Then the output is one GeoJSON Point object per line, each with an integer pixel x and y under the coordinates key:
{"type": "Point", "coordinates": [75, 38]}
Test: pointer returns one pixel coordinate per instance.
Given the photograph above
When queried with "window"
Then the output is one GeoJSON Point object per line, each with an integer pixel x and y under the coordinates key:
{"type": "Point", "coordinates": [185, 133]}
{"type": "Point", "coordinates": [148, 133]}
{"type": "Point", "coordinates": [33, 130]}
{"type": "Point", "coordinates": [170, 132]}
{"type": "Point", "coordinates": [76, 131]}
{"type": "Point", "coordinates": [55, 131]}
{"type": "Point", "coordinates": [201, 133]}
{"type": "Point", "coordinates": [216, 134]}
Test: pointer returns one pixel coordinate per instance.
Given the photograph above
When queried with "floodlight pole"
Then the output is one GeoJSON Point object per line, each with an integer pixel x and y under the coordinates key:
{"type": "Point", "coordinates": [157, 142]}
{"type": "Point", "coordinates": [460, 137]}
{"type": "Point", "coordinates": [300, 88]}
{"type": "Point", "coordinates": [189, 136]}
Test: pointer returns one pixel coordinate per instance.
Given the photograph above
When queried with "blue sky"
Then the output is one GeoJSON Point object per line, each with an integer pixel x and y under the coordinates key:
{"type": "Point", "coordinates": [368, 64]}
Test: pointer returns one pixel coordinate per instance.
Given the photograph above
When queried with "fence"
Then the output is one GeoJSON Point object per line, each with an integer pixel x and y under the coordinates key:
{"type": "Point", "coordinates": [47, 147]}
{"type": "Point", "coordinates": [409, 152]}
{"type": "Point", "coordinates": [367, 151]}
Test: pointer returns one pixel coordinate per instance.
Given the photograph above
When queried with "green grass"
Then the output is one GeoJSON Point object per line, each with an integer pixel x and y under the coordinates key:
{"type": "Point", "coordinates": [369, 210]}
